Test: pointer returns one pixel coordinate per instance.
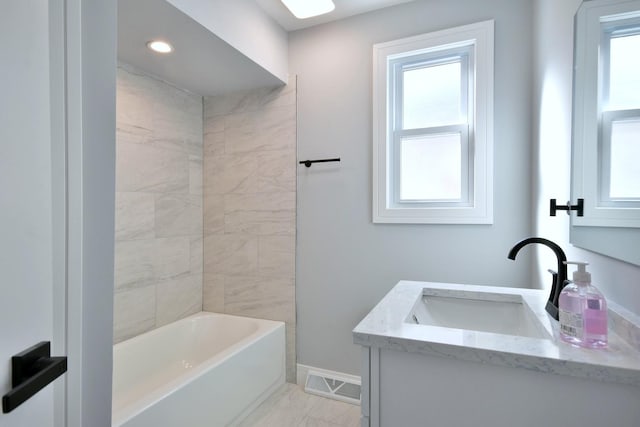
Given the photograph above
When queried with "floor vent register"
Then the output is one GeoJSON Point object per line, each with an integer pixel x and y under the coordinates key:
{"type": "Point", "coordinates": [334, 387]}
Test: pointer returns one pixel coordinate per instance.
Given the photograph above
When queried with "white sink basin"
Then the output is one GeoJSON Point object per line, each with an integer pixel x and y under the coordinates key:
{"type": "Point", "coordinates": [498, 313]}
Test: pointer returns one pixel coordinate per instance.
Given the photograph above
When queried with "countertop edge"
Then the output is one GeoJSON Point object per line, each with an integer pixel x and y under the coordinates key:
{"type": "Point", "coordinates": [382, 328]}
{"type": "Point", "coordinates": [501, 358]}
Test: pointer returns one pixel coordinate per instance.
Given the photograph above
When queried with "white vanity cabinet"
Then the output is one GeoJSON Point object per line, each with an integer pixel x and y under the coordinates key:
{"type": "Point", "coordinates": [409, 390]}
{"type": "Point", "coordinates": [418, 375]}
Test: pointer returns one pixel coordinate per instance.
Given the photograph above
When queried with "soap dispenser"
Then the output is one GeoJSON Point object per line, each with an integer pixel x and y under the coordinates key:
{"type": "Point", "coordinates": [583, 311]}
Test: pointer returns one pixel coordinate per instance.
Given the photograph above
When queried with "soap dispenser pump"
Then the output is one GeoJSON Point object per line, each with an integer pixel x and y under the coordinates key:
{"type": "Point", "coordinates": [583, 311]}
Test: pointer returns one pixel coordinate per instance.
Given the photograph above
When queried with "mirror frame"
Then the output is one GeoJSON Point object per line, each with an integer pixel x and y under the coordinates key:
{"type": "Point", "coordinates": [622, 243]}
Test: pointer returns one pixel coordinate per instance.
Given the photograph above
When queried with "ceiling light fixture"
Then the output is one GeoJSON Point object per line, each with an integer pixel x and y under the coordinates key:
{"type": "Point", "coordinates": [302, 9]}
{"type": "Point", "coordinates": [159, 46]}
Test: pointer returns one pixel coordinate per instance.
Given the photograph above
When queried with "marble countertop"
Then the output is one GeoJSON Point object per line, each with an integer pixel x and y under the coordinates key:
{"type": "Point", "coordinates": [385, 327]}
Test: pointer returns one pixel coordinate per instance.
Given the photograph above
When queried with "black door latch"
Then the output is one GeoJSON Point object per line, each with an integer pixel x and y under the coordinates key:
{"type": "Point", "coordinates": [31, 371]}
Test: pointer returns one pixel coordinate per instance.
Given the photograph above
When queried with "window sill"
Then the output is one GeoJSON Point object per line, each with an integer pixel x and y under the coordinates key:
{"type": "Point", "coordinates": [461, 216]}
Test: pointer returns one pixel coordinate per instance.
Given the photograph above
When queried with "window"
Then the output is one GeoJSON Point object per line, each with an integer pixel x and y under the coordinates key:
{"type": "Point", "coordinates": [433, 127]}
{"type": "Point", "coordinates": [619, 109]}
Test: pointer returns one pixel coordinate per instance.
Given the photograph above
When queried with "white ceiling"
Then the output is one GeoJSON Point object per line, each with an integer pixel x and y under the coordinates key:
{"type": "Point", "coordinates": [202, 62]}
{"type": "Point", "coordinates": [344, 8]}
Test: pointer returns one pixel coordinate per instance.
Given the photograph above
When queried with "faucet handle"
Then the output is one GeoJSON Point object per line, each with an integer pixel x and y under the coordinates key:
{"type": "Point", "coordinates": [551, 306]}
{"type": "Point", "coordinates": [555, 278]}
{"type": "Point", "coordinates": [554, 284]}
{"type": "Point", "coordinates": [556, 287]}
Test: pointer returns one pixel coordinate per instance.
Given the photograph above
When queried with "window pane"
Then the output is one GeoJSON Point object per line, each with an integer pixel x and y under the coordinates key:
{"type": "Point", "coordinates": [430, 167]}
{"type": "Point", "coordinates": [625, 159]}
{"type": "Point", "coordinates": [431, 96]}
{"type": "Point", "coordinates": [624, 78]}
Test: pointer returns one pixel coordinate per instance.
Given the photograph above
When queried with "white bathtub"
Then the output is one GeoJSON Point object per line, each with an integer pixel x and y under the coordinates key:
{"type": "Point", "coordinates": [205, 370]}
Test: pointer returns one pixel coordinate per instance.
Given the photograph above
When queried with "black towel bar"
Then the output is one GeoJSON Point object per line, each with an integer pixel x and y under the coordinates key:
{"type": "Point", "coordinates": [308, 163]}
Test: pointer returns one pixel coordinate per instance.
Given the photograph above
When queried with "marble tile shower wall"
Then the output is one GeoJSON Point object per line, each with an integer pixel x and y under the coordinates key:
{"type": "Point", "coordinates": [158, 255]}
{"type": "Point", "coordinates": [249, 206]}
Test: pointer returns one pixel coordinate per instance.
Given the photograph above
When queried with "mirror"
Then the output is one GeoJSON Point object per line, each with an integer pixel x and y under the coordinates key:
{"type": "Point", "coordinates": [606, 128]}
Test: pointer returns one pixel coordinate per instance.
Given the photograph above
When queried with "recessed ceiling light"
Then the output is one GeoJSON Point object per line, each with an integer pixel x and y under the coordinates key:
{"type": "Point", "coordinates": [302, 9]}
{"type": "Point", "coordinates": [159, 46]}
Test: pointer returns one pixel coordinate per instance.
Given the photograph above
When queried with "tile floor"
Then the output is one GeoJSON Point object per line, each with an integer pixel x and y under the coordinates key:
{"type": "Point", "coordinates": [290, 406]}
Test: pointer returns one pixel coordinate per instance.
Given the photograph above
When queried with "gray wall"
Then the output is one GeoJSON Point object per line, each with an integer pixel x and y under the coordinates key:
{"type": "Point", "coordinates": [345, 263]}
{"type": "Point", "coordinates": [619, 281]}
{"type": "Point", "coordinates": [158, 221]}
{"type": "Point", "coordinates": [249, 206]}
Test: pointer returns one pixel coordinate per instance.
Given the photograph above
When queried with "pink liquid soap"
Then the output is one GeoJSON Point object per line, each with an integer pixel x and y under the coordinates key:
{"type": "Point", "coordinates": [595, 320]}
{"type": "Point", "coordinates": [583, 312]}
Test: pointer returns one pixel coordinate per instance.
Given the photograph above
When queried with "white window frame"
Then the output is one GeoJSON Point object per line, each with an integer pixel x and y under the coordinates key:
{"type": "Point", "coordinates": [610, 29]}
{"type": "Point", "coordinates": [396, 133]}
{"type": "Point", "coordinates": [476, 204]}
{"type": "Point", "coordinates": [592, 121]}
{"type": "Point", "coordinates": [608, 118]}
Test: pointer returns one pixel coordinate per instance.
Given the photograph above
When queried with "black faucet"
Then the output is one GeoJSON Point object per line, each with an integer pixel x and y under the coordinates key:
{"type": "Point", "coordinates": [559, 276]}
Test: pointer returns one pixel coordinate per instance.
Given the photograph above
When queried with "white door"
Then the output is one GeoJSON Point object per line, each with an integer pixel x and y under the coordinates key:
{"type": "Point", "coordinates": [57, 188]}
{"type": "Point", "coordinates": [30, 237]}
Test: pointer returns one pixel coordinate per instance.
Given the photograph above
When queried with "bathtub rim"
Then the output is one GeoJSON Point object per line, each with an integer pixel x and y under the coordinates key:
{"type": "Point", "coordinates": [128, 411]}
